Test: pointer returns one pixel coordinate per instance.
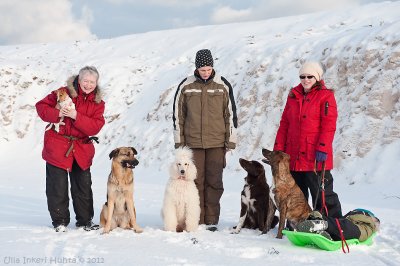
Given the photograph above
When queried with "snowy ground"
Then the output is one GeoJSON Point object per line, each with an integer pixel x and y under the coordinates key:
{"type": "Point", "coordinates": [27, 236]}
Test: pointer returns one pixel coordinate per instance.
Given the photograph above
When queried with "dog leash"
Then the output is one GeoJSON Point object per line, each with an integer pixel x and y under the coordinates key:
{"type": "Point", "coordinates": [96, 139]}
{"type": "Point", "coordinates": [342, 237]}
{"type": "Point", "coordinates": [323, 204]}
{"type": "Point", "coordinates": [321, 184]}
{"type": "Point", "coordinates": [72, 139]}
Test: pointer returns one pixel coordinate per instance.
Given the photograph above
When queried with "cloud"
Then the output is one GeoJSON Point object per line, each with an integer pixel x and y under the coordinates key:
{"type": "Point", "coordinates": [26, 21]}
{"type": "Point", "coordinates": [178, 3]}
{"type": "Point", "coordinates": [272, 8]}
{"type": "Point", "coordinates": [228, 14]}
{"type": "Point", "coordinates": [181, 22]}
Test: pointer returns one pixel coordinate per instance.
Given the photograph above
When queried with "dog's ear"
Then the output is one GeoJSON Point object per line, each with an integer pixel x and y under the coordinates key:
{"type": "Point", "coordinates": [58, 94]}
{"type": "Point", "coordinates": [260, 169]}
{"type": "Point", "coordinates": [61, 94]}
{"type": "Point", "coordinates": [266, 153]}
{"type": "Point", "coordinates": [133, 150]}
{"type": "Point", "coordinates": [114, 153]}
{"type": "Point", "coordinates": [192, 171]}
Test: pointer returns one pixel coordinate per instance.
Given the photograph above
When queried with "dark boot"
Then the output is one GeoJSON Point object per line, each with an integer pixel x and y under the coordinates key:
{"type": "Point", "coordinates": [314, 224]}
{"type": "Point", "coordinates": [88, 226]}
{"type": "Point", "coordinates": [60, 228]}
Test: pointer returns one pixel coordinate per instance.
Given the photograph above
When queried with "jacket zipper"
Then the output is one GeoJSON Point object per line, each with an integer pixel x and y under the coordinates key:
{"type": "Point", "coordinates": [326, 108]}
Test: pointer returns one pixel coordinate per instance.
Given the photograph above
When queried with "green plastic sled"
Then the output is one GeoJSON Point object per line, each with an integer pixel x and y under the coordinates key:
{"type": "Point", "coordinates": [306, 239]}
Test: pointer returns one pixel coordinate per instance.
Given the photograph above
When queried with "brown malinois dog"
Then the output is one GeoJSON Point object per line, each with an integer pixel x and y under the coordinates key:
{"type": "Point", "coordinates": [289, 199]}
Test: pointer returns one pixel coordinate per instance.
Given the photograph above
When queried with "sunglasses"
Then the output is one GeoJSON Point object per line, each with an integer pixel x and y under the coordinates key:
{"type": "Point", "coordinates": [308, 77]}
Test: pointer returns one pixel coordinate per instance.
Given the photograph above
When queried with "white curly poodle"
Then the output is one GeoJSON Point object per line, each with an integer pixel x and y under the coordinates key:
{"type": "Point", "coordinates": [181, 207]}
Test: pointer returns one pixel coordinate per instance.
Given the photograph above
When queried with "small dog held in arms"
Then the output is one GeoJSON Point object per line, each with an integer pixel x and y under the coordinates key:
{"type": "Point", "coordinates": [181, 206]}
{"type": "Point", "coordinates": [63, 100]}
{"type": "Point", "coordinates": [289, 199]}
{"type": "Point", "coordinates": [119, 210]}
{"type": "Point", "coordinates": [257, 208]}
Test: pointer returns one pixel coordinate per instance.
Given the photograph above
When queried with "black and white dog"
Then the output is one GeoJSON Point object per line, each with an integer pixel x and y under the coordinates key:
{"type": "Point", "coordinates": [257, 208]}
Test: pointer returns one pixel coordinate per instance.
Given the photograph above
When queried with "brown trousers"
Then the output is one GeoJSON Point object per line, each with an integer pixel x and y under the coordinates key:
{"type": "Point", "coordinates": [210, 164]}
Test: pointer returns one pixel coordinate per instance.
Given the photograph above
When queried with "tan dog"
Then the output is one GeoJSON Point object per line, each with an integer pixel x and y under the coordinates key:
{"type": "Point", "coordinates": [289, 199]}
{"type": "Point", "coordinates": [119, 210]}
{"type": "Point", "coordinates": [63, 100]}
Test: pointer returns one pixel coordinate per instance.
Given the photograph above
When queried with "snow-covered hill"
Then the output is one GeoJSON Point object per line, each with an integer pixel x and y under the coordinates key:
{"type": "Point", "coordinates": [360, 49]}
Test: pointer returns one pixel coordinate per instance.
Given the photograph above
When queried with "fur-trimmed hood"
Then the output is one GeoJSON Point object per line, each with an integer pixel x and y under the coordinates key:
{"type": "Point", "coordinates": [72, 85]}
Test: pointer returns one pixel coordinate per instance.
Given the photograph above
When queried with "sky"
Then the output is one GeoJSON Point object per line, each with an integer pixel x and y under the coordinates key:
{"type": "Point", "coordinates": [27, 21]}
{"type": "Point", "coordinates": [360, 50]}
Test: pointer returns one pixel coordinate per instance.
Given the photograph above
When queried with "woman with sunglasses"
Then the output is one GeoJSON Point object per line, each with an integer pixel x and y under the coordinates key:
{"type": "Point", "coordinates": [306, 132]}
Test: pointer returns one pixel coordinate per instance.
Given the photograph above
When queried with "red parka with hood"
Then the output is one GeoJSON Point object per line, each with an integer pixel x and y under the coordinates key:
{"type": "Point", "coordinates": [308, 124]}
{"type": "Point", "coordinates": [75, 134]}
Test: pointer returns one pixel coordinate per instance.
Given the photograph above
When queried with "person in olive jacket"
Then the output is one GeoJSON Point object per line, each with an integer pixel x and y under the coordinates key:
{"type": "Point", "coordinates": [205, 120]}
{"type": "Point", "coordinates": [306, 133]}
{"type": "Point", "coordinates": [69, 150]}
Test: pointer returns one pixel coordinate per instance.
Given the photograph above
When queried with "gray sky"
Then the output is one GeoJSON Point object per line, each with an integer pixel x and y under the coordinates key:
{"type": "Point", "coordinates": [30, 21]}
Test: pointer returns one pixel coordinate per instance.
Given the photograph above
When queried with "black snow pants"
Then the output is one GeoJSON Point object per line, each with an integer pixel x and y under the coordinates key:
{"type": "Point", "coordinates": [348, 228]}
{"type": "Point", "coordinates": [57, 194]}
{"type": "Point", "coordinates": [309, 181]}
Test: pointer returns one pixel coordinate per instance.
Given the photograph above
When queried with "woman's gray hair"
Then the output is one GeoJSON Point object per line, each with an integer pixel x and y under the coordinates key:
{"type": "Point", "coordinates": [89, 70]}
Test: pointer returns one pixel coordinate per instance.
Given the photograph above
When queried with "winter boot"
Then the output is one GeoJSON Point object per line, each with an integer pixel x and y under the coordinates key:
{"type": "Point", "coordinates": [89, 226]}
{"type": "Point", "coordinates": [312, 226]}
{"type": "Point", "coordinates": [60, 228]}
{"type": "Point", "coordinates": [212, 227]}
{"type": "Point", "coordinates": [315, 215]}
{"type": "Point", "coordinates": [324, 234]}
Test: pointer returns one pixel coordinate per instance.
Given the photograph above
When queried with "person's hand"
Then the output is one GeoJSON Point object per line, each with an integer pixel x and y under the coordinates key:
{"type": "Point", "coordinates": [68, 112]}
{"type": "Point", "coordinates": [179, 145]}
{"type": "Point", "coordinates": [320, 156]}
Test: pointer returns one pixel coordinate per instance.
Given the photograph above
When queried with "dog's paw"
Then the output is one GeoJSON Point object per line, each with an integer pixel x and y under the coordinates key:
{"type": "Point", "coordinates": [264, 231]}
{"type": "Point", "coordinates": [138, 230]}
{"type": "Point", "coordinates": [235, 230]}
{"type": "Point", "coordinates": [106, 230]}
{"type": "Point", "coordinates": [192, 228]}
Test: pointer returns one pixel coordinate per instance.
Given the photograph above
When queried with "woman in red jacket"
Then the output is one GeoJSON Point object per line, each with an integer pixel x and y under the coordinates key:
{"type": "Point", "coordinates": [68, 149]}
{"type": "Point", "coordinates": [306, 132]}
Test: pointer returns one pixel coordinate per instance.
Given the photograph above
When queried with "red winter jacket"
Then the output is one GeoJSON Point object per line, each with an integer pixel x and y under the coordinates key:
{"type": "Point", "coordinates": [308, 124]}
{"type": "Point", "coordinates": [89, 121]}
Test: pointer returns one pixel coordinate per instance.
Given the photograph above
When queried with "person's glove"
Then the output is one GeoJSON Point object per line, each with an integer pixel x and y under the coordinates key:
{"type": "Point", "coordinates": [320, 156]}
{"type": "Point", "coordinates": [178, 145]}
